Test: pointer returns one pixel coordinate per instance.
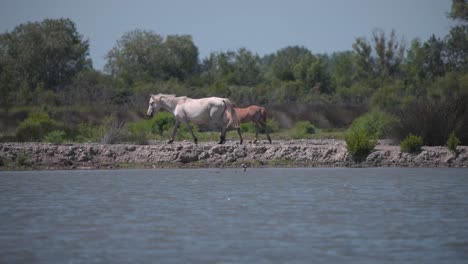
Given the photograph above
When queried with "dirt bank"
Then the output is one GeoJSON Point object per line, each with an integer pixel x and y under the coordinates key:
{"type": "Point", "coordinates": [290, 153]}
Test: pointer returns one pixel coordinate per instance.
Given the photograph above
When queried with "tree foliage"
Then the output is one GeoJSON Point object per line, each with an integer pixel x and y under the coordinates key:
{"type": "Point", "coordinates": [144, 56]}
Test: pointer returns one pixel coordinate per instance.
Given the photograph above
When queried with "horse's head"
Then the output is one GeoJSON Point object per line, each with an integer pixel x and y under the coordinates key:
{"type": "Point", "coordinates": [154, 105]}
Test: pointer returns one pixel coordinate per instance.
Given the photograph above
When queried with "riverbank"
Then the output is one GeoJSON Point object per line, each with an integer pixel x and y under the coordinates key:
{"type": "Point", "coordinates": [185, 154]}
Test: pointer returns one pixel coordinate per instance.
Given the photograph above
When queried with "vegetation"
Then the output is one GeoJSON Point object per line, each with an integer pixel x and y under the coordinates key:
{"type": "Point", "coordinates": [55, 137]}
{"type": "Point", "coordinates": [394, 89]}
{"type": "Point", "coordinates": [411, 144]}
{"type": "Point", "coordinates": [359, 144]}
{"type": "Point", "coordinates": [453, 142]}
{"type": "Point", "coordinates": [302, 129]}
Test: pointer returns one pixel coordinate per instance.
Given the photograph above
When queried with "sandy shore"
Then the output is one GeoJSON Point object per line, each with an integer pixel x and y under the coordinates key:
{"type": "Point", "coordinates": [284, 153]}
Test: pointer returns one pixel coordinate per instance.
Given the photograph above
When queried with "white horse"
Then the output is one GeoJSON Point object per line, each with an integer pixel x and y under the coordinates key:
{"type": "Point", "coordinates": [213, 111]}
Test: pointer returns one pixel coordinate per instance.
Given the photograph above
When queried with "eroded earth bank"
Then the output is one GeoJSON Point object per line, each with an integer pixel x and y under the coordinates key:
{"type": "Point", "coordinates": [284, 153]}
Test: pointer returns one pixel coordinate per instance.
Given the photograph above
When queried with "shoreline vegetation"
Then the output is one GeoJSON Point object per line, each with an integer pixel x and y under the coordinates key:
{"type": "Point", "coordinates": [323, 109]}
{"type": "Point", "coordinates": [186, 154]}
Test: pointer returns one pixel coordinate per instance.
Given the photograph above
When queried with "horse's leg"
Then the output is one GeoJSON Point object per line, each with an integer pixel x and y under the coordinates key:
{"type": "Point", "coordinates": [176, 125]}
{"type": "Point", "coordinates": [222, 137]}
{"type": "Point", "coordinates": [195, 139]}
{"type": "Point", "coordinates": [240, 135]}
{"type": "Point", "coordinates": [256, 132]}
{"type": "Point", "coordinates": [264, 125]}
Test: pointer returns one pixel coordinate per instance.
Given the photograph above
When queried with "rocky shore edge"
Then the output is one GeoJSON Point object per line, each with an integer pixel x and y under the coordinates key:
{"type": "Point", "coordinates": [184, 154]}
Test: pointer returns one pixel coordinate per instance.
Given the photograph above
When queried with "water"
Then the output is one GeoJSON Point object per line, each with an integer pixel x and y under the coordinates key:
{"type": "Point", "coordinates": [391, 215]}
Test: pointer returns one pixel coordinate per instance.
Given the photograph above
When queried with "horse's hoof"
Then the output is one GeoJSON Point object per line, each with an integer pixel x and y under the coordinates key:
{"type": "Point", "coordinates": [170, 141]}
{"type": "Point", "coordinates": [196, 141]}
{"type": "Point", "coordinates": [255, 141]}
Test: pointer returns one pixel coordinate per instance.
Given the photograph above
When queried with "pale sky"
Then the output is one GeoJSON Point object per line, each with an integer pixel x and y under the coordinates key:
{"type": "Point", "coordinates": [262, 27]}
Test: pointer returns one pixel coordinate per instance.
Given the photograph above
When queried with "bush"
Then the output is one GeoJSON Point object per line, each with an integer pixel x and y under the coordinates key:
{"type": "Point", "coordinates": [302, 129]}
{"type": "Point", "coordinates": [35, 127]}
{"type": "Point", "coordinates": [411, 144]}
{"type": "Point", "coordinates": [373, 123]}
{"type": "Point", "coordinates": [56, 137]}
{"type": "Point", "coordinates": [247, 127]}
{"type": "Point", "coordinates": [359, 144]}
{"type": "Point", "coordinates": [23, 159]}
{"type": "Point", "coordinates": [453, 142]}
{"type": "Point", "coordinates": [162, 122]}
{"type": "Point", "coordinates": [88, 133]}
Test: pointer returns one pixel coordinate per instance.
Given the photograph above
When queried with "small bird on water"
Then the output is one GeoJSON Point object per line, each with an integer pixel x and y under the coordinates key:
{"type": "Point", "coordinates": [244, 166]}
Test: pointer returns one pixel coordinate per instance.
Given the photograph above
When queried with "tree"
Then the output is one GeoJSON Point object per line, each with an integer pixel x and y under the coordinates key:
{"type": "Point", "coordinates": [363, 60]}
{"type": "Point", "coordinates": [457, 48]}
{"type": "Point", "coordinates": [144, 56]}
{"type": "Point", "coordinates": [426, 60]}
{"type": "Point", "coordinates": [381, 58]}
{"type": "Point", "coordinates": [45, 54]}
{"type": "Point", "coordinates": [459, 10]}
{"type": "Point", "coordinates": [246, 68]}
{"type": "Point", "coordinates": [285, 60]}
{"type": "Point", "coordinates": [312, 72]}
{"type": "Point", "coordinates": [341, 69]}
{"type": "Point", "coordinates": [181, 57]}
{"type": "Point", "coordinates": [137, 56]}
{"type": "Point", "coordinates": [389, 53]}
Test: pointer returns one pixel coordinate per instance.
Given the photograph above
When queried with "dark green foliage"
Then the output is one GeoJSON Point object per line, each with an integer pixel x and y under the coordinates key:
{"type": "Point", "coordinates": [248, 127]}
{"type": "Point", "coordinates": [46, 64]}
{"type": "Point", "coordinates": [359, 144]}
{"type": "Point", "coordinates": [23, 159]}
{"type": "Point", "coordinates": [35, 127]}
{"type": "Point", "coordinates": [411, 144]}
{"type": "Point", "coordinates": [56, 137]}
{"type": "Point", "coordinates": [162, 122]}
{"type": "Point", "coordinates": [443, 111]}
{"type": "Point", "coordinates": [453, 142]}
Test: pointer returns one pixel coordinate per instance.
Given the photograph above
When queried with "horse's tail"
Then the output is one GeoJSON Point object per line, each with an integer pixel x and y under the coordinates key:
{"type": "Point", "coordinates": [231, 115]}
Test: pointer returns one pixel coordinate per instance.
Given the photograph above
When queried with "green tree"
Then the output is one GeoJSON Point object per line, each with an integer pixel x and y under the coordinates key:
{"type": "Point", "coordinates": [246, 68]}
{"type": "Point", "coordinates": [181, 57]}
{"type": "Point", "coordinates": [382, 58]}
{"type": "Point", "coordinates": [46, 54]}
{"type": "Point", "coordinates": [313, 73]}
{"type": "Point", "coordinates": [341, 69]}
{"type": "Point", "coordinates": [457, 48]}
{"type": "Point", "coordinates": [459, 10]}
{"type": "Point", "coordinates": [285, 60]}
{"type": "Point", "coordinates": [137, 56]}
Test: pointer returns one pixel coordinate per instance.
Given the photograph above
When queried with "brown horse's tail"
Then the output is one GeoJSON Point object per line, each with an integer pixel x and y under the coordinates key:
{"type": "Point", "coordinates": [231, 115]}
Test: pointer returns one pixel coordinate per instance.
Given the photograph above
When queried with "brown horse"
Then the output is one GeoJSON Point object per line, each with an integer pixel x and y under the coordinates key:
{"type": "Point", "coordinates": [256, 114]}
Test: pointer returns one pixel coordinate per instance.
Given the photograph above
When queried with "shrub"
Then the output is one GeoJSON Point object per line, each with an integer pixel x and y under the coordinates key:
{"type": "Point", "coordinates": [22, 159]}
{"type": "Point", "coordinates": [453, 142]}
{"type": "Point", "coordinates": [359, 144]}
{"type": "Point", "coordinates": [302, 129]}
{"type": "Point", "coordinates": [248, 127]}
{"type": "Point", "coordinates": [35, 127]}
{"type": "Point", "coordinates": [87, 132]}
{"type": "Point", "coordinates": [411, 144]}
{"type": "Point", "coordinates": [56, 137]}
{"type": "Point", "coordinates": [162, 122]}
{"type": "Point", "coordinates": [373, 123]}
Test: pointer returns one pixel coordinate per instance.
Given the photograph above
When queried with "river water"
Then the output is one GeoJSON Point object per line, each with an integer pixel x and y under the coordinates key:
{"type": "Point", "coordinates": [378, 215]}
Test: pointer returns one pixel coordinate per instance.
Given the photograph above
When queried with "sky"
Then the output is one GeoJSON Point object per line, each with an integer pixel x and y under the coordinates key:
{"type": "Point", "coordinates": [262, 27]}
